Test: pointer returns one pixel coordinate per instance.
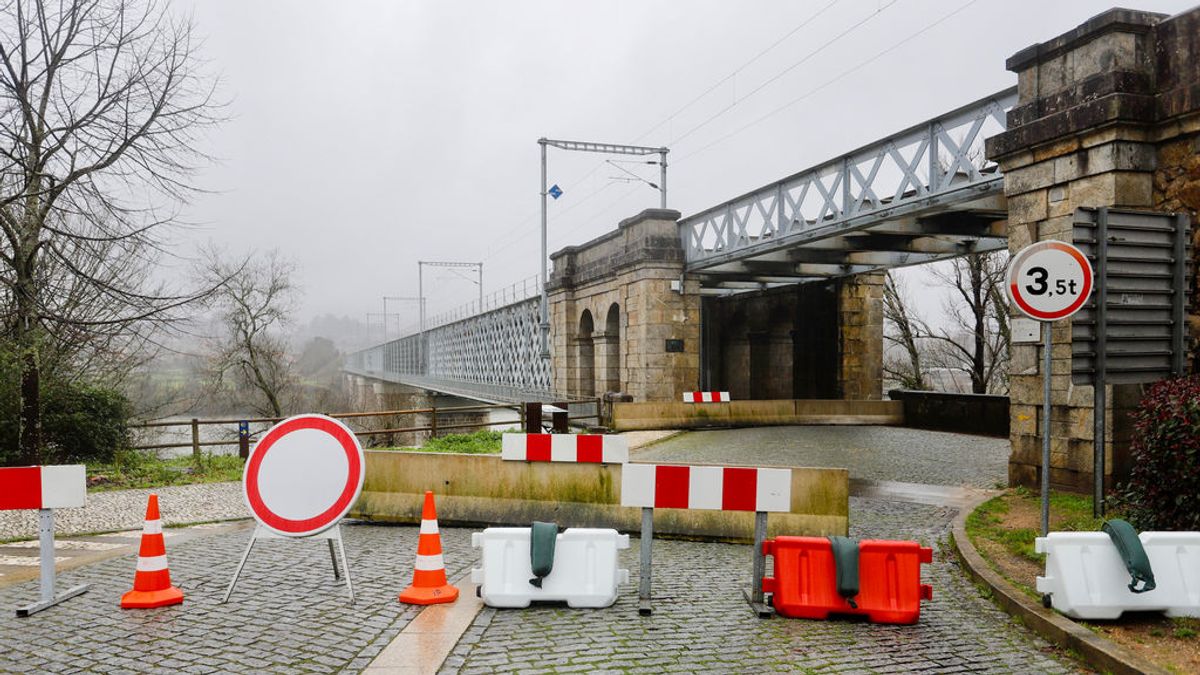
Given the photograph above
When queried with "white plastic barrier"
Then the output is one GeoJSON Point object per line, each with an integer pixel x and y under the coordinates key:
{"type": "Point", "coordinates": [585, 572]}
{"type": "Point", "coordinates": [1086, 578]}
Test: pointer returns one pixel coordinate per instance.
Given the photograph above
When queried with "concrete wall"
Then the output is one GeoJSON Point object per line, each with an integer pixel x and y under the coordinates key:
{"type": "Point", "coordinates": [983, 414]}
{"type": "Point", "coordinates": [680, 415]}
{"type": "Point", "coordinates": [1108, 115]}
{"type": "Point", "coordinates": [481, 490]}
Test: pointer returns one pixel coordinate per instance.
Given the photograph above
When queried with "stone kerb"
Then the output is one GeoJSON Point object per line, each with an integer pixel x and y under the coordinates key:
{"type": "Point", "coordinates": [483, 489]}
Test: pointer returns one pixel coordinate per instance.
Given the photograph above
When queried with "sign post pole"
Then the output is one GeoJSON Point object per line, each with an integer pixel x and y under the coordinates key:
{"type": "Point", "coordinates": [1048, 281]}
{"type": "Point", "coordinates": [647, 535]}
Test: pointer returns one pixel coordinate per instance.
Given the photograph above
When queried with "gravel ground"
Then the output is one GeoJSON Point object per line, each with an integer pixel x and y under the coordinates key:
{"type": "Point", "coordinates": [126, 509]}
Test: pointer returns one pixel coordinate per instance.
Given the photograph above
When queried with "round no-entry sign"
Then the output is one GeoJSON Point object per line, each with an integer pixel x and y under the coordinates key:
{"type": "Point", "coordinates": [1049, 280]}
{"type": "Point", "coordinates": [303, 475]}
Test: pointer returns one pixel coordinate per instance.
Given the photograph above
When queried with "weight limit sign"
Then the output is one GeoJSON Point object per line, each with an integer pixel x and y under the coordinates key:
{"type": "Point", "coordinates": [1049, 280]}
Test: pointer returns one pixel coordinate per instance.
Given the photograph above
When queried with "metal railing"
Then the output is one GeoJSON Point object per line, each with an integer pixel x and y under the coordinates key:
{"type": "Point", "coordinates": [493, 356]}
{"type": "Point", "coordinates": [935, 162]}
{"type": "Point", "coordinates": [432, 413]}
{"type": "Point", "coordinates": [517, 292]}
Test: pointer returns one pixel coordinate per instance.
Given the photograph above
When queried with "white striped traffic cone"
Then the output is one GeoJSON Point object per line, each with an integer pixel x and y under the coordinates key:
{"type": "Point", "coordinates": [429, 584]}
{"type": "Point", "coordinates": [152, 581]}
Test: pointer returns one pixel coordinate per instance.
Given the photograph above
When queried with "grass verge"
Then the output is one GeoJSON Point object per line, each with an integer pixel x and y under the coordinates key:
{"type": "Point", "coordinates": [486, 442]}
{"type": "Point", "coordinates": [1003, 530]}
{"type": "Point", "coordinates": [136, 469]}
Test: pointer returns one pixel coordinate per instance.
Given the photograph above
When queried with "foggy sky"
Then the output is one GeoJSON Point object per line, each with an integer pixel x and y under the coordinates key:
{"type": "Point", "coordinates": [365, 136]}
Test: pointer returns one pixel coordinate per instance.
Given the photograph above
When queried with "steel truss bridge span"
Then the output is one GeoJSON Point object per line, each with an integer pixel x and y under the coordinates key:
{"type": "Point", "coordinates": [493, 357]}
{"type": "Point", "coordinates": [923, 194]}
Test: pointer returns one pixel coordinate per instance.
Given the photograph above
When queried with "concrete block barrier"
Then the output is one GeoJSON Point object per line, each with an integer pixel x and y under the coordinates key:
{"type": "Point", "coordinates": [1086, 577]}
{"type": "Point", "coordinates": [584, 574]}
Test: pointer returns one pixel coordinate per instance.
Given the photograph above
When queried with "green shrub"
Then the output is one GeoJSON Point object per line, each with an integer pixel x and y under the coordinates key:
{"type": "Point", "coordinates": [1163, 490]}
{"type": "Point", "coordinates": [478, 443]}
{"type": "Point", "coordinates": [80, 421]}
{"type": "Point", "coordinates": [83, 422]}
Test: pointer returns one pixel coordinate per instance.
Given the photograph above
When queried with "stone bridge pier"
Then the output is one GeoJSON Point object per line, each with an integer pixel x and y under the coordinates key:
{"type": "Point", "coordinates": [625, 318]}
{"type": "Point", "coordinates": [1108, 115]}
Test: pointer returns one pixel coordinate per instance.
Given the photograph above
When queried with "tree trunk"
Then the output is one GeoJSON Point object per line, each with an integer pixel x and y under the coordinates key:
{"type": "Point", "coordinates": [979, 307]}
{"type": "Point", "coordinates": [30, 432]}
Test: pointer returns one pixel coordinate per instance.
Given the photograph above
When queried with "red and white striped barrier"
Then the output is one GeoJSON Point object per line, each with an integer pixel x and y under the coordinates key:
{"type": "Point", "coordinates": [723, 488]}
{"type": "Point", "coordinates": [585, 448]}
{"type": "Point", "coordinates": [42, 487]}
{"type": "Point", "coordinates": [705, 397]}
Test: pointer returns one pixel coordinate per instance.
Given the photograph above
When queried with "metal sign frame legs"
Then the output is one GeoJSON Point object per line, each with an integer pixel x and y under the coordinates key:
{"type": "Point", "coordinates": [647, 536]}
{"type": "Point", "coordinates": [331, 535]}
{"type": "Point", "coordinates": [754, 596]}
{"type": "Point", "coordinates": [46, 552]}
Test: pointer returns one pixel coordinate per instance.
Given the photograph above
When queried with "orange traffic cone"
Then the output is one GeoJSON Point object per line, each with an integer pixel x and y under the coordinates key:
{"type": "Point", "coordinates": [429, 579]}
{"type": "Point", "coordinates": [152, 581]}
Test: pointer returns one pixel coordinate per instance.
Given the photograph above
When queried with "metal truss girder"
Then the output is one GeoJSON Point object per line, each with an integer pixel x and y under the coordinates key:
{"type": "Point", "coordinates": [930, 168]}
{"type": "Point", "coordinates": [494, 356]}
{"type": "Point", "coordinates": [611, 148]}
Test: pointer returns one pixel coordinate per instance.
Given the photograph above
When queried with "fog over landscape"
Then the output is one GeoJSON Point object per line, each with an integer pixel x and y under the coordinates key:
{"type": "Point", "coordinates": [363, 137]}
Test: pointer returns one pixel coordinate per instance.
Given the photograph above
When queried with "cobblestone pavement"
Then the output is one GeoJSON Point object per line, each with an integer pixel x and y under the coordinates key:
{"type": "Point", "coordinates": [287, 615]}
{"type": "Point", "coordinates": [874, 453]}
{"type": "Point", "coordinates": [125, 509]}
{"type": "Point", "coordinates": [702, 624]}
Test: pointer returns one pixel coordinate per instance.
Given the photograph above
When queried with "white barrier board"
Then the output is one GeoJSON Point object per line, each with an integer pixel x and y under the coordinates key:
{"type": "Point", "coordinates": [1086, 579]}
{"type": "Point", "coordinates": [585, 572]}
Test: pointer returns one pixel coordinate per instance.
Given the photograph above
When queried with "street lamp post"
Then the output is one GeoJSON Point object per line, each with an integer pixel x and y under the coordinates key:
{"type": "Point", "coordinates": [584, 146]}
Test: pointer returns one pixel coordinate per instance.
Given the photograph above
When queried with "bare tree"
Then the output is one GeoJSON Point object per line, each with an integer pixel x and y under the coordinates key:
{"type": "Point", "coordinates": [254, 301]}
{"type": "Point", "coordinates": [101, 104]}
{"type": "Point", "coordinates": [905, 330]}
{"type": "Point", "coordinates": [977, 342]}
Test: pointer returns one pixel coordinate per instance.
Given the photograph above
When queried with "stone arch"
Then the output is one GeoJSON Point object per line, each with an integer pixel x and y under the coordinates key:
{"type": "Point", "coordinates": [585, 350]}
{"type": "Point", "coordinates": [612, 348]}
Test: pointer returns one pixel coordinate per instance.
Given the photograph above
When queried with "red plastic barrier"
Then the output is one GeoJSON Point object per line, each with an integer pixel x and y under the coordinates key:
{"type": "Point", "coordinates": [889, 579]}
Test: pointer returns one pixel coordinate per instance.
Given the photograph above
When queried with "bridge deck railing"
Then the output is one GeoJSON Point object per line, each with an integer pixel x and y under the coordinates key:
{"type": "Point", "coordinates": [931, 162]}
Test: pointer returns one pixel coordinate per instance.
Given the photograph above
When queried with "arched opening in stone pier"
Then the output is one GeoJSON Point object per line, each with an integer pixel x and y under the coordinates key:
{"type": "Point", "coordinates": [612, 349]}
{"type": "Point", "coordinates": [586, 379]}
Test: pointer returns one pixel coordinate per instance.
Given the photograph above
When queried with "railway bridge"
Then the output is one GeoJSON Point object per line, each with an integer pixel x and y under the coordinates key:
{"type": "Point", "coordinates": [777, 293]}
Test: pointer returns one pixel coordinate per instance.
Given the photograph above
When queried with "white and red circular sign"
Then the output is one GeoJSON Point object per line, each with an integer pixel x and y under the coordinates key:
{"type": "Point", "coordinates": [303, 475]}
{"type": "Point", "coordinates": [1049, 280]}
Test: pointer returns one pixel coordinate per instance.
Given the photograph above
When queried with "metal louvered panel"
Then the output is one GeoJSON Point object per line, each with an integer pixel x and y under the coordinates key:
{"type": "Point", "coordinates": [1144, 291]}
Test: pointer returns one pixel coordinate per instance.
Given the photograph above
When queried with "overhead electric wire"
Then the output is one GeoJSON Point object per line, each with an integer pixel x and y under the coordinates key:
{"type": "Point", "coordinates": [668, 118]}
{"type": "Point", "coordinates": [827, 83]}
{"type": "Point", "coordinates": [783, 72]}
{"type": "Point", "coordinates": [737, 70]}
